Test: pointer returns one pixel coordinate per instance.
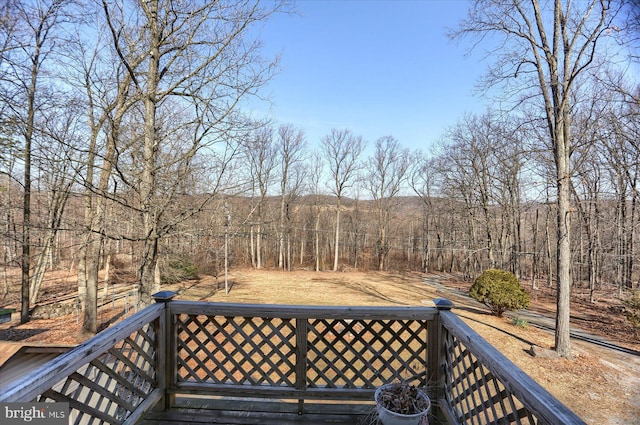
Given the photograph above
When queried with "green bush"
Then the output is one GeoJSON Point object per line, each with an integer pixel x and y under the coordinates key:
{"type": "Point", "coordinates": [519, 322]}
{"type": "Point", "coordinates": [499, 290]}
{"type": "Point", "coordinates": [632, 308]}
{"type": "Point", "coordinates": [177, 270]}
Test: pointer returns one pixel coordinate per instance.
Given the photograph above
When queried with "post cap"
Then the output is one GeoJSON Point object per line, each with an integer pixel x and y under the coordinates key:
{"type": "Point", "coordinates": [443, 304]}
{"type": "Point", "coordinates": [163, 296]}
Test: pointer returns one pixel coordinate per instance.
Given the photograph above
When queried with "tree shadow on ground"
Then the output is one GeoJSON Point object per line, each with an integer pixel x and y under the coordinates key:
{"type": "Point", "coordinates": [372, 292]}
{"type": "Point", "coordinates": [519, 338]}
{"type": "Point", "coordinates": [219, 287]}
{"type": "Point", "coordinates": [104, 325]}
{"type": "Point", "coordinates": [15, 334]}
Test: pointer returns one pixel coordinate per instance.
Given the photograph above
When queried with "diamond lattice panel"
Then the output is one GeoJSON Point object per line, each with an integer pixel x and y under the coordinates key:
{"type": "Point", "coordinates": [236, 350]}
{"type": "Point", "coordinates": [110, 387]}
{"type": "Point", "coordinates": [475, 394]}
{"type": "Point", "coordinates": [346, 353]}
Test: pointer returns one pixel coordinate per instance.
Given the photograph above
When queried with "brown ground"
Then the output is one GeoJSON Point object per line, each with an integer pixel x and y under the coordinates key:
{"type": "Point", "coordinates": [602, 385]}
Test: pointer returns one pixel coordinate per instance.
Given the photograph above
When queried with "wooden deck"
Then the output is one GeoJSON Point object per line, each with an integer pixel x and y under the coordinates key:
{"type": "Point", "coordinates": [246, 412]}
{"type": "Point", "coordinates": [194, 362]}
{"type": "Point", "coordinates": [191, 417]}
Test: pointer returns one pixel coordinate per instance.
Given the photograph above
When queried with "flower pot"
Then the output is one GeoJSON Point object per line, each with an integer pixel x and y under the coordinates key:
{"type": "Point", "coordinates": [389, 417]}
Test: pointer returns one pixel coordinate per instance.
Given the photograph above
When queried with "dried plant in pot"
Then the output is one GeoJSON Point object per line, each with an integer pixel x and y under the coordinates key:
{"type": "Point", "coordinates": [402, 404]}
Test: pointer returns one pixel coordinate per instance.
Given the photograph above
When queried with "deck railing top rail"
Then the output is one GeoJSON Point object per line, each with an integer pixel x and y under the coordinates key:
{"type": "Point", "coordinates": [303, 311]}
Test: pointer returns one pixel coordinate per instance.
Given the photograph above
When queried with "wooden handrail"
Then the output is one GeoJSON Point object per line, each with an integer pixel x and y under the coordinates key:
{"type": "Point", "coordinates": [546, 408]}
{"type": "Point", "coordinates": [302, 311]}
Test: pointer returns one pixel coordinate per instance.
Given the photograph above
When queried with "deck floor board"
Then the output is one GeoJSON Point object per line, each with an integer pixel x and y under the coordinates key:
{"type": "Point", "coordinates": [181, 416]}
{"type": "Point", "coordinates": [242, 411]}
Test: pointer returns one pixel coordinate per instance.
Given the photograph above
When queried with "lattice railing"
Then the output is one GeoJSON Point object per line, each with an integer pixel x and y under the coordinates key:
{"type": "Point", "coordinates": [288, 352]}
{"type": "Point", "coordinates": [476, 395]}
{"type": "Point", "coordinates": [343, 353]}
{"type": "Point", "coordinates": [106, 379]}
{"type": "Point", "coordinates": [365, 353]}
{"type": "Point", "coordinates": [481, 386]}
{"type": "Point", "coordinates": [111, 386]}
{"type": "Point", "coordinates": [235, 350]}
{"type": "Point", "coordinates": [298, 350]}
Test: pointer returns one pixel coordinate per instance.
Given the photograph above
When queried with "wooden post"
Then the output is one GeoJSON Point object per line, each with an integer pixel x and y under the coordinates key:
{"type": "Point", "coordinates": [165, 348]}
{"type": "Point", "coordinates": [301, 359]}
{"type": "Point", "coordinates": [436, 359]}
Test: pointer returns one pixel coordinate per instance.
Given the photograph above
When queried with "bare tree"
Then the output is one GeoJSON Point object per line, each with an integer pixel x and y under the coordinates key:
{"type": "Point", "coordinates": [260, 152]}
{"type": "Point", "coordinates": [423, 182]}
{"type": "Point", "coordinates": [473, 140]}
{"type": "Point", "coordinates": [619, 130]}
{"type": "Point", "coordinates": [387, 172]}
{"type": "Point", "coordinates": [342, 152]}
{"type": "Point", "coordinates": [106, 92]}
{"type": "Point", "coordinates": [510, 152]}
{"type": "Point", "coordinates": [191, 63]}
{"type": "Point", "coordinates": [315, 176]}
{"type": "Point", "coordinates": [546, 49]}
{"type": "Point", "coordinates": [290, 147]}
{"type": "Point", "coordinates": [9, 145]}
{"type": "Point", "coordinates": [58, 166]}
{"type": "Point", "coordinates": [27, 46]}
{"type": "Point", "coordinates": [465, 165]}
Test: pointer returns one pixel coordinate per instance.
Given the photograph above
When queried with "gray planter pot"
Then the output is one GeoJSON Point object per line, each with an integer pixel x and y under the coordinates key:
{"type": "Point", "coordinates": [388, 417]}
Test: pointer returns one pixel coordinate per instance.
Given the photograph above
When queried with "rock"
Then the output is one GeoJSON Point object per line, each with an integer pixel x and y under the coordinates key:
{"type": "Point", "coordinates": [545, 353]}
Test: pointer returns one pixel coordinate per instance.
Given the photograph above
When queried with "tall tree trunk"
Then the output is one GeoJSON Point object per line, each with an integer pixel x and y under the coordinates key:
{"type": "Point", "coordinates": [147, 184]}
{"type": "Point", "coordinates": [620, 250]}
{"type": "Point", "coordinates": [303, 243]}
{"type": "Point", "coordinates": [259, 246]}
{"type": "Point", "coordinates": [56, 206]}
{"type": "Point", "coordinates": [562, 156]}
{"type": "Point", "coordinates": [336, 247]}
{"type": "Point", "coordinates": [26, 231]}
{"type": "Point", "coordinates": [630, 236]}
{"type": "Point", "coordinates": [316, 242]}
{"type": "Point", "coordinates": [252, 246]}
{"type": "Point", "coordinates": [534, 260]}
{"type": "Point", "coordinates": [6, 258]}
{"type": "Point", "coordinates": [383, 248]}
{"type": "Point", "coordinates": [281, 237]}
{"type": "Point", "coordinates": [26, 205]}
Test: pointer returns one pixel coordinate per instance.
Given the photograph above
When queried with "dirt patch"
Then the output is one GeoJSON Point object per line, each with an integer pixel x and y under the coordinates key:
{"type": "Point", "coordinates": [601, 385]}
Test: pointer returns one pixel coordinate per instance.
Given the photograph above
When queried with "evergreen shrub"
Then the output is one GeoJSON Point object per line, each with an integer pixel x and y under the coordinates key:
{"type": "Point", "coordinates": [177, 270]}
{"type": "Point", "coordinates": [499, 290]}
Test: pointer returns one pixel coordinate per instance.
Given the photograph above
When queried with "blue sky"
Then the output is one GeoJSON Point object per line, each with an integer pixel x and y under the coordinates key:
{"type": "Point", "coordinates": [375, 67]}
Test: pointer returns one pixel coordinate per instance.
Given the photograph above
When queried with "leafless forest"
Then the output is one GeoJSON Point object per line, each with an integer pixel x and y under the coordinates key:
{"type": "Point", "coordinates": [123, 139]}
